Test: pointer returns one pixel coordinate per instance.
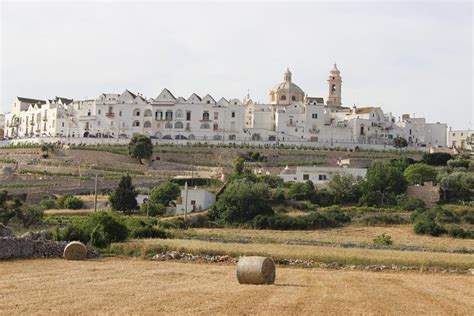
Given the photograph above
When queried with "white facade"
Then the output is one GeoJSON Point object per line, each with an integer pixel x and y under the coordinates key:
{"type": "Point", "coordinates": [319, 175]}
{"type": "Point", "coordinates": [461, 139]}
{"type": "Point", "coordinates": [197, 200]}
{"type": "Point", "coordinates": [290, 116]}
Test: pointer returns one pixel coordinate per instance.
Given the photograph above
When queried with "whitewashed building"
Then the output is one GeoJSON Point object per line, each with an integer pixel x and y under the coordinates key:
{"type": "Point", "coordinates": [197, 200]}
{"type": "Point", "coordinates": [290, 116]}
{"type": "Point", "coordinates": [319, 175]}
{"type": "Point", "coordinates": [461, 139]}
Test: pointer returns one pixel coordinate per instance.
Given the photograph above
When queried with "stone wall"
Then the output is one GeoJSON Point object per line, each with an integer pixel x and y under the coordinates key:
{"type": "Point", "coordinates": [428, 193]}
{"type": "Point", "coordinates": [21, 247]}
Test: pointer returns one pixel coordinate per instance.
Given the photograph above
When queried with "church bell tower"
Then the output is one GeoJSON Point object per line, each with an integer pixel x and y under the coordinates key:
{"type": "Point", "coordinates": [335, 84]}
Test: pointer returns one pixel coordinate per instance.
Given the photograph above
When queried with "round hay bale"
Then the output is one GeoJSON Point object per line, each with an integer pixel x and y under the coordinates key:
{"type": "Point", "coordinates": [256, 270]}
{"type": "Point", "coordinates": [75, 250]}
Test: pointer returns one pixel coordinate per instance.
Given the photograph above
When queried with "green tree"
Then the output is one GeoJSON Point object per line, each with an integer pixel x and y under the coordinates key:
{"type": "Point", "coordinates": [383, 183]}
{"type": "Point", "coordinates": [420, 173]}
{"type": "Point", "coordinates": [239, 165]}
{"type": "Point", "coordinates": [302, 191]}
{"type": "Point", "coordinates": [150, 208]}
{"type": "Point", "coordinates": [400, 142]}
{"type": "Point", "coordinates": [458, 186]}
{"type": "Point", "coordinates": [164, 193]}
{"type": "Point", "coordinates": [345, 188]}
{"type": "Point", "coordinates": [9, 207]}
{"type": "Point", "coordinates": [241, 201]}
{"type": "Point", "coordinates": [436, 159]}
{"type": "Point", "coordinates": [140, 147]}
{"type": "Point", "coordinates": [29, 215]}
{"type": "Point", "coordinates": [124, 198]}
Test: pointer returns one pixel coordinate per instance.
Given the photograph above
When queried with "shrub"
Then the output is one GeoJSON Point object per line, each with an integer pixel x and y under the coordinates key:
{"type": "Point", "coordinates": [436, 159]}
{"type": "Point", "coordinates": [174, 223]}
{"type": "Point", "coordinates": [302, 191]}
{"type": "Point", "coordinates": [383, 240]}
{"type": "Point", "coordinates": [48, 203]}
{"type": "Point", "coordinates": [458, 232]}
{"type": "Point", "coordinates": [428, 227]}
{"type": "Point", "coordinates": [29, 215]}
{"type": "Point", "coordinates": [313, 220]}
{"type": "Point", "coordinates": [164, 193]}
{"type": "Point", "coordinates": [278, 195]}
{"type": "Point", "coordinates": [462, 163]}
{"type": "Point", "coordinates": [62, 198]}
{"type": "Point", "coordinates": [73, 202]}
{"type": "Point", "coordinates": [411, 204]}
{"type": "Point", "coordinates": [74, 232]}
{"type": "Point", "coordinates": [150, 208]}
{"type": "Point", "coordinates": [384, 220]}
{"type": "Point", "coordinates": [148, 232]}
{"type": "Point", "coordinates": [272, 181]}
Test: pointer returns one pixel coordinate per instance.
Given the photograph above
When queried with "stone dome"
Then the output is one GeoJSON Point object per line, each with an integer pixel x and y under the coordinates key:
{"type": "Point", "coordinates": [286, 91]}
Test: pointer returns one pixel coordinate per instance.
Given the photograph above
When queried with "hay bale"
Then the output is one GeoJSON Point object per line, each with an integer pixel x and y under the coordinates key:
{"type": "Point", "coordinates": [256, 270]}
{"type": "Point", "coordinates": [75, 250]}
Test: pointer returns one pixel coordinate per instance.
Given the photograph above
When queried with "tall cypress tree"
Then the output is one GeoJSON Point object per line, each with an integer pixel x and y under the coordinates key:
{"type": "Point", "coordinates": [123, 199]}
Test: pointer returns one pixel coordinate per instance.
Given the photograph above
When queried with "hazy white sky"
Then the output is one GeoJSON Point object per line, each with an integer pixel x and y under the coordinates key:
{"type": "Point", "coordinates": [409, 57]}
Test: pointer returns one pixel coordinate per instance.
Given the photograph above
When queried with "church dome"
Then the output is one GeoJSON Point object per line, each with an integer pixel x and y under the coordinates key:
{"type": "Point", "coordinates": [286, 91]}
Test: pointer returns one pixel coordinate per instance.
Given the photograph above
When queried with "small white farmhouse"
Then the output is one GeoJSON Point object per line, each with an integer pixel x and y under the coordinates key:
{"type": "Point", "coordinates": [197, 200]}
{"type": "Point", "coordinates": [318, 175]}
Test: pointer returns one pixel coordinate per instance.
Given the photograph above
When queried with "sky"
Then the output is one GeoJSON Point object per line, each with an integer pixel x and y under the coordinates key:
{"type": "Point", "coordinates": [408, 57]}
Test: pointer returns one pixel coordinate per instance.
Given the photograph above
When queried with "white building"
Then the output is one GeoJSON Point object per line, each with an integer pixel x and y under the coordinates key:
{"type": "Point", "coordinates": [318, 175]}
{"type": "Point", "coordinates": [461, 139]}
{"type": "Point", "coordinates": [197, 200]}
{"type": "Point", "coordinates": [290, 116]}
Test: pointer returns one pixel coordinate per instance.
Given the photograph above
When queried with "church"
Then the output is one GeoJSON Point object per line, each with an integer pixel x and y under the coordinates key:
{"type": "Point", "coordinates": [290, 116]}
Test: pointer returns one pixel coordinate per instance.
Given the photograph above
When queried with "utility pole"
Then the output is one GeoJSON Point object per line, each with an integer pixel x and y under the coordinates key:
{"type": "Point", "coordinates": [95, 193]}
{"type": "Point", "coordinates": [185, 201]}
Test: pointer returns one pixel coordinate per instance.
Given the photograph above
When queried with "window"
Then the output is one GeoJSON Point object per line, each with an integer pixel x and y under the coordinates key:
{"type": "Point", "coordinates": [216, 115]}
{"type": "Point", "coordinates": [306, 177]}
{"type": "Point", "coordinates": [147, 124]}
{"type": "Point", "coordinates": [233, 114]}
{"type": "Point", "coordinates": [62, 124]}
{"type": "Point", "coordinates": [168, 125]}
{"type": "Point", "coordinates": [188, 116]}
{"type": "Point", "coordinates": [178, 125]}
{"type": "Point", "coordinates": [205, 116]}
{"type": "Point", "coordinates": [136, 112]}
{"type": "Point", "coordinates": [136, 124]}
{"type": "Point", "coordinates": [283, 97]}
{"type": "Point", "coordinates": [179, 113]}
{"type": "Point", "coordinates": [148, 113]}
{"type": "Point", "coordinates": [322, 177]}
{"type": "Point", "coordinates": [215, 127]}
{"type": "Point", "coordinates": [158, 115]}
{"type": "Point", "coordinates": [314, 115]}
{"type": "Point", "coordinates": [120, 113]}
{"type": "Point", "coordinates": [169, 115]}
{"type": "Point", "coordinates": [205, 126]}
{"type": "Point", "coordinates": [99, 111]}
{"type": "Point", "coordinates": [293, 98]}
{"type": "Point", "coordinates": [89, 113]}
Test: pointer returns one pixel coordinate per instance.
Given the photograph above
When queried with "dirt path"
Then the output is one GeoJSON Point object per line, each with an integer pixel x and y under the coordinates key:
{"type": "Point", "coordinates": [121, 286]}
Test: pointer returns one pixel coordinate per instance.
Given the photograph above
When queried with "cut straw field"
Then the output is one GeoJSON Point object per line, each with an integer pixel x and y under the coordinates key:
{"type": "Point", "coordinates": [348, 256]}
{"type": "Point", "coordinates": [137, 286]}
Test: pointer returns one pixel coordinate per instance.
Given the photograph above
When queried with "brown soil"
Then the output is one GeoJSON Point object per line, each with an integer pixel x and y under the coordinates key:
{"type": "Point", "coordinates": [140, 286]}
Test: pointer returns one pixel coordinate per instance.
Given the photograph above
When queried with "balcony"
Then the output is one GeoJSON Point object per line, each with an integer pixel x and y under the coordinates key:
{"type": "Point", "coordinates": [87, 118]}
{"type": "Point", "coordinates": [110, 114]}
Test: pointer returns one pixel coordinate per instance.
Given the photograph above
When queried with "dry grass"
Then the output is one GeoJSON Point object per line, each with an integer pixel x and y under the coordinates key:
{"type": "Point", "coordinates": [402, 235]}
{"type": "Point", "coordinates": [69, 212]}
{"type": "Point", "coordinates": [136, 286]}
{"type": "Point", "coordinates": [350, 256]}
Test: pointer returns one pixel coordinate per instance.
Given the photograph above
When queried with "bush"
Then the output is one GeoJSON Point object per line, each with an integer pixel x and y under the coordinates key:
{"type": "Point", "coordinates": [383, 240]}
{"type": "Point", "coordinates": [100, 229]}
{"type": "Point", "coordinates": [384, 220]}
{"type": "Point", "coordinates": [272, 181]}
{"type": "Point", "coordinates": [48, 203]}
{"type": "Point", "coordinates": [302, 191]}
{"type": "Point", "coordinates": [436, 159]}
{"type": "Point", "coordinates": [29, 215]}
{"type": "Point", "coordinates": [62, 198]}
{"type": "Point", "coordinates": [428, 227]}
{"type": "Point", "coordinates": [462, 163]}
{"type": "Point", "coordinates": [174, 223]}
{"type": "Point", "coordinates": [164, 193]}
{"type": "Point", "coordinates": [73, 203]}
{"type": "Point", "coordinates": [313, 220]}
{"type": "Point", "coordinates": [148, 232]}
{"type": "Point", "coordinates": [150, 208]}
{"type": "Point", "coordinates": [411, 204]}
{"type": "Point", "coordinates": [458, 232]}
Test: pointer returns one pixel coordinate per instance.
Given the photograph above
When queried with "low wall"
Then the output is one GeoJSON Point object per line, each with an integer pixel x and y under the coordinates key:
{"type": "Point", "coordinates": [20, 247]}
{"type": "Point", "coordinates": [124, 141]}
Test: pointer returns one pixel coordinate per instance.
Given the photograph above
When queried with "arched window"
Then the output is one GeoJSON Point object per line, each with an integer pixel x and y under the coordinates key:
{"type": "Point", "coordinates": [169, 125]}
{"type": "Point", "coordinates": [293, 98]}
{"type": "Point", "coordinates": [192, 136]}
{"type": "Point", "coordinates": [179, 113]}
{"type": "Point", "coordinates": [272, 138]}
{"type": "Point", "coordinates": [217, 137]}
{"type": "Point", "coordinates": [205, 116]}
{"type": "Point", "coordinates": [178, 125]}
{"type": "Point", "coordinates": [205, 126]}
{"type": "Point", "coordinates": [256, 137]}
{"type": "Point", "coordinates": [283, 97]}
{"type": "Point", "coordinates": [136, 124]}
{"type": "Point", "coordinates": [215, 127]}
{"type": "Point", "coordinates": [147, 124]}
{"type": "Point", "coordinates": [136, 112]}
{"type": "Point", "coordinates": [148, 112]}
{"type": "Point", "coordinates": [232, 137]}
